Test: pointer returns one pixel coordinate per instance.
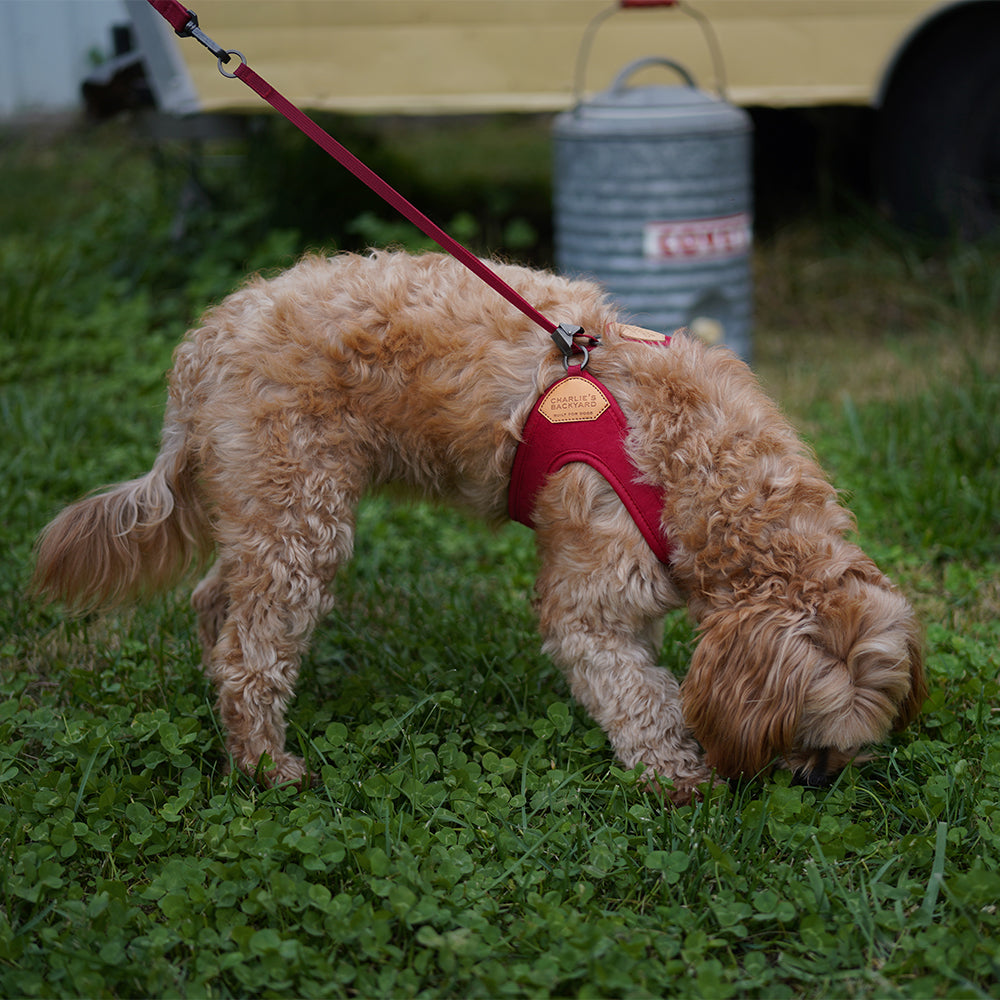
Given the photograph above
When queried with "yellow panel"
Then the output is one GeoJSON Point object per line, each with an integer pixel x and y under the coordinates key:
{"type": "Point", "coordinates": [495, 55]}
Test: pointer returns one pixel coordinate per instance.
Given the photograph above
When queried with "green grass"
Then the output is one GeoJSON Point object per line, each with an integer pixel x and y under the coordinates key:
{"type": "Point", "coordinates": [472, 835]}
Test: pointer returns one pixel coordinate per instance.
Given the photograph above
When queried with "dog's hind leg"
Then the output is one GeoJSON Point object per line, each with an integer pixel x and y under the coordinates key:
{"type": "Point", "coordinates": [271, 582]}
{"type": "Point", "coordinates": [211, 602]}
{"type": "Point", "coordinates": [255, 665]}
{"type": "Point", "coordinates": [601, 595]}
{"type": "Point", "coordinates": [274, 602]}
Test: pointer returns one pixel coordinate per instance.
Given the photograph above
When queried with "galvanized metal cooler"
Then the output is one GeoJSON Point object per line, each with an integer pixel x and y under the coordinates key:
{"type": "Point", "coordinates": [653, 197]}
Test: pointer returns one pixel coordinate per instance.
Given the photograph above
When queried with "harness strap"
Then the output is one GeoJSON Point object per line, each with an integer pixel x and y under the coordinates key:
{"type": "Point", "coordinates": [578, 420]}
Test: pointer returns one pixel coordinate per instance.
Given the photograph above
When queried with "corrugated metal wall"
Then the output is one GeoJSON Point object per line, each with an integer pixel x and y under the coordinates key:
{"type": "Point", "coordinates": [47, 48]}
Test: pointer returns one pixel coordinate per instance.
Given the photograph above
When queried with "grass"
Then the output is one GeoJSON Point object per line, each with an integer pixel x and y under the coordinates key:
{"type": "Point", "coordinates": [472, 835]}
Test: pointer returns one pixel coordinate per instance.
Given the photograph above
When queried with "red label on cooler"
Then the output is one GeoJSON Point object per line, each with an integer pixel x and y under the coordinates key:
{"type": "Point", "coordinates": [724, 236]}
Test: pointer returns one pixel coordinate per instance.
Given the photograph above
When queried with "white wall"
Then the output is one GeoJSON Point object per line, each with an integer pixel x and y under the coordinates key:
{"type": "Point", "coordinates": [46, 50]}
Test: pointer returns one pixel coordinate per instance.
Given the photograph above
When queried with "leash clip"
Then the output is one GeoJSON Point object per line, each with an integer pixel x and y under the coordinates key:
{"type": "Point", "coordinates": [191, 30]}
{"type": "Point", "coordinates": [565, 337]}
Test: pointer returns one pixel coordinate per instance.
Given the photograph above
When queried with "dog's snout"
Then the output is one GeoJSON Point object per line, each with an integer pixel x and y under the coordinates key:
{"type": "Point", "coordinates": [817, 772]}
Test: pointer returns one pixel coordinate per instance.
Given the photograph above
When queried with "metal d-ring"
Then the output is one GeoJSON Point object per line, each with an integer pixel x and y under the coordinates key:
{"type": "Point", "coordinates": [583, 363]}
{"type": "Point", "coordinates": [227, 54]}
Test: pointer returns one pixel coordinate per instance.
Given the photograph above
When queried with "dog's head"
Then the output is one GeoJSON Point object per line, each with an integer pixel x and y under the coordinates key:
{"type": "Point", "coordinates": [804, 685]}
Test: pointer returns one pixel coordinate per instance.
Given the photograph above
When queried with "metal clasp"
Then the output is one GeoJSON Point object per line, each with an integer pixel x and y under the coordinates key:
{"type": "Point", "coordinates": [565, 337]}
{"type": "Point", "coordinates": [191, 30]}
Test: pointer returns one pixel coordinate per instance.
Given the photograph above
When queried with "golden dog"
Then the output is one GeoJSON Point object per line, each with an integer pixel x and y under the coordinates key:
{"type": "Point", "coordinates": [300, 393]}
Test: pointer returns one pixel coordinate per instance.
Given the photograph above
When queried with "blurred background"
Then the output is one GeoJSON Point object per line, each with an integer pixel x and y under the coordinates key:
{"type": "Point", "coordinates": [828, 179]}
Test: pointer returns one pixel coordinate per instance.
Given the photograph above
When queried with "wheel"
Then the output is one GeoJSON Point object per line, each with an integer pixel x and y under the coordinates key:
{"type": "Point", "coordinates": [938, 166]}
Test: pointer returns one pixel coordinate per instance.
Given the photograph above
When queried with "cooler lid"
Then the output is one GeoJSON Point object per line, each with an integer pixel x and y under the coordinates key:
{"type": "Point", "coordinates": [652, 110]}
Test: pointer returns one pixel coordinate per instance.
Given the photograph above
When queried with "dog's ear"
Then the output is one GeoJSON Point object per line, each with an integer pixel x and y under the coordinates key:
{"type": "Point", "coordinates": [743, 694]}
{"type": "Point", "coordinates": [875, 680]}
{"type": "Point", "coordinates": [910, 708]}
{"type": "Point", "coordinates": [768, 682]}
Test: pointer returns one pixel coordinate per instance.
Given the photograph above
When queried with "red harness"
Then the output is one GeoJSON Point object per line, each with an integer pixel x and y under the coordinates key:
{"type": "Point", "coordinates": [578, 420]}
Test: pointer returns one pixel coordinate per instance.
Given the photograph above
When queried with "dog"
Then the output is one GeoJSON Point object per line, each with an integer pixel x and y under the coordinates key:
{"type": "Point", "coordinates": [299, 393]}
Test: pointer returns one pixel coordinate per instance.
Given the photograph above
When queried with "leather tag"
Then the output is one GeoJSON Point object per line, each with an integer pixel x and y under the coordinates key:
{"type": "Point", "coordinates": [642, 335]}
{"type": "Point", "coordinates": [573, 400]}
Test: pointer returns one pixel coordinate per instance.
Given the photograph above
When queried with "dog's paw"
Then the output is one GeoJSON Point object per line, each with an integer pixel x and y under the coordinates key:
{"type": "Point", "coordinates": [272, 770]}
{"type": "Point", "coordinates": [680, 791]}
{"type": "Point", "coordinates": [284, 769]}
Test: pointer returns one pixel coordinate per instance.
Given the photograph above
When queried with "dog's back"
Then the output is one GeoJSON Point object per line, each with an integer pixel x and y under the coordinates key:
{"type": "Point", "coordinates": [398, 368]}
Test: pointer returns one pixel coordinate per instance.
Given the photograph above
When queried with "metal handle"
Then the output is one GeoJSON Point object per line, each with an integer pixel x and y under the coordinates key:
{"type": "Point", "coordinates": [618, 83]}
{"type": "Point", "coordinates": [583, 53]}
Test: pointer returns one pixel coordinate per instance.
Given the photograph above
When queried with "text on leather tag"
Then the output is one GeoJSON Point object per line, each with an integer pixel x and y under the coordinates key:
{"type": "Point", "coordinates": [573, 399]}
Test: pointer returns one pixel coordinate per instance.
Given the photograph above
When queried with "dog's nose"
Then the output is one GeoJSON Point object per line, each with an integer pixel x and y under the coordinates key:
{"type": "Point", "coordinates": [817, 775]}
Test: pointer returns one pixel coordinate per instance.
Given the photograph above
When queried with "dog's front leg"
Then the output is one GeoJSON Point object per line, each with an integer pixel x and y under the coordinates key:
{"type": "Point", "coordinates": [601, 595]}
{"type": "Point", "coordinates": [635, 702]}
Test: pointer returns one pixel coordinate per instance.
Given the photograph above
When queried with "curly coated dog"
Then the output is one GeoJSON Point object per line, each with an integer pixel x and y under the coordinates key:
{"type": "Point", "coordinates": [300, 393]}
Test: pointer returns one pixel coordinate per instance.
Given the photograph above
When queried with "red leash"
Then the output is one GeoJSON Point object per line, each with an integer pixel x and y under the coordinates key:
{"type": "Point", "coordinates": [552, 435]}
{"type": "Point", "coordinates": [185, 23]}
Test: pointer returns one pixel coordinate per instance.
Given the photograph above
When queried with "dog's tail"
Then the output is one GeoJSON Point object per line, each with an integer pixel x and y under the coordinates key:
{"type": "Point", "coordinates": [136, 538]}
